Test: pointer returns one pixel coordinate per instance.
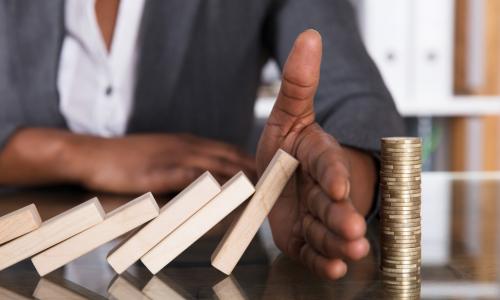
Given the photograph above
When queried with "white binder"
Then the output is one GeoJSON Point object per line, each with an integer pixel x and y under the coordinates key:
{"type": "Point", "coordinates": [433, 52]}
{"type": "Point", "coordinates": [387, 32]}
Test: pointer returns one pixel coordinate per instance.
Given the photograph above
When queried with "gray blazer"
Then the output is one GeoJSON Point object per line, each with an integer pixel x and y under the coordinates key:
{"type": "Point", "coordinates": [199, 67]}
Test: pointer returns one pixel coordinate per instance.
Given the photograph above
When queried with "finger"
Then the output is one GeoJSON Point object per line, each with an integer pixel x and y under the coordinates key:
{"type": "Point", "coordinates": [293, 109]}
{"type": "Point", "coordinates": [223, 150]}
{"type": "Point", "coordinates": [330, 245]}
{"type": "Point", "coordinates": [341, 218]}
{"type": "Point", "coordinates": [210, 163]}
{"type": "Point", "coordinates": [325, 160]}
{"type": "Point", "coordinates": [326, 268]}
{"type": "Point", "coordinates": [170, 179]}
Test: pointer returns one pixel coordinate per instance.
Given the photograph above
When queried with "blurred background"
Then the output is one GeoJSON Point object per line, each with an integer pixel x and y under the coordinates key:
{"type": "Point", "coordinates": [441, 61]}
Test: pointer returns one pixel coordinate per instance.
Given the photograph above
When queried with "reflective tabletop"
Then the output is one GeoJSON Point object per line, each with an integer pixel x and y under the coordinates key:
{"type": "Point", "coordinates": [459, 255]}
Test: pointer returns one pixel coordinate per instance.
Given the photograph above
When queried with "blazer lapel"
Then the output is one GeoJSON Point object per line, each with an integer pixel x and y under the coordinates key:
{"type": "Point", "coordinates": [165, 34]}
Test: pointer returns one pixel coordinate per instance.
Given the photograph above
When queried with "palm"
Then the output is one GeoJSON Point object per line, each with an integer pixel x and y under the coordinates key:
{"type": "Point", "coordinates": [313, 219]}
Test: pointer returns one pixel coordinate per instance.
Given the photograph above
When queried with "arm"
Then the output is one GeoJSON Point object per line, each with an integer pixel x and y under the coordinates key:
{"type": "Point", "coordinates": [132, 164]}
{"type": "Point", "coordinates": [37, 156]}
{"type": "Point", "coordinates": [352, 103]}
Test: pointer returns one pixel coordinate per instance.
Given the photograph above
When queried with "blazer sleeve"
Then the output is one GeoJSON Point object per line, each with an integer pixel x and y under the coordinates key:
{"type": "Point", "coordinates": [10, 111]}
{"type": "Point", "coordinates": [352, 102]}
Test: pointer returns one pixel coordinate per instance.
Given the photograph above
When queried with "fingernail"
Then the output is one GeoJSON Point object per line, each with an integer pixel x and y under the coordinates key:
{"type": "Point", "coordinates": [347, 188]}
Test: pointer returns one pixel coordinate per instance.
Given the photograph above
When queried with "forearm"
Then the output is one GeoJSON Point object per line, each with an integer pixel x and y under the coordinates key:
{"type": "Point", "coordinates": [363, 179]}
{"type": "Point", "coordinates": [40, 156]}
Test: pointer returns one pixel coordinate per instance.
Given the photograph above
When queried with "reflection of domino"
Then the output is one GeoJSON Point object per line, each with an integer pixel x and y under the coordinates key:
{"type": "Point", "coordinates": [52, 232]}
{"type": "Point", "coordinates": [233, 193]}
{"type": "Point", "coordinates": [118, 222]}
{"type": "Point", "coordinates": [245, 226]}
{"type": "Point", "coordinates": [121, 288]}
{"type": "Point", "coordinates": [173, 214]}
{"type": "Point", "coordinates": [229, 289]}
{"type": "Point", "coordinates": [164, 288]}
{"type": "Point", "coordinates": [19, 222]}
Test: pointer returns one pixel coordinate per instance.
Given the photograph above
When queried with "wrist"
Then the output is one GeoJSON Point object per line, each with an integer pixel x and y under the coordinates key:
{"type": "Point", "coordinates": [363, 179]}
{"type": "Point", "coordinates": [78, 158]}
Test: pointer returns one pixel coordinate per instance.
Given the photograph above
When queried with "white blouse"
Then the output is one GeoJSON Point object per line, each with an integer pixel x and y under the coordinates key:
{"type": "Point", "coordinates": [96, 87]}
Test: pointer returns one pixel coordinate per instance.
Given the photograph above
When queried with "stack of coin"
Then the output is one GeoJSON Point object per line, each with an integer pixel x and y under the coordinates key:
{"type": "Point", "coordinates": [400, 178]}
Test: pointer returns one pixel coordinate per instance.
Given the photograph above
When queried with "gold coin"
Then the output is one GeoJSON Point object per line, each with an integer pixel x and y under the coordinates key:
{"type": "Point", "coordinates": [395, 177]}
{"type": "Point", "coordinates": [401, 193]}
{"type": "Point", "coordinates": [401, 140]}
{"type": "Point", "coordinates": [413, 206]}
{"type": "Point", "coordinates": [390, 149]}
{"type": "Point", "coordinates": [401, 166]}
{"type": "Point", "coordinates": [401, 261]}
{"type": "Point", "coordinates": [401, 201]}
{"type": "Point", "coordinates": [409, 202]}
{"type": "Point", "coordinates": [404, 156]}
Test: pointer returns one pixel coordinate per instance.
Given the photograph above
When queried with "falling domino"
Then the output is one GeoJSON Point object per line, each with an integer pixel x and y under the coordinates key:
{"type": "Point", "coordinates": [173, 214]}
{"type": "Point", "coordinates": [51, 232]}
{"type": "Point", "coordinates": [233, 193]}
{"type": "Point", "coordinates": [116, 223]}
{"type": "Point", "coordinates": [245, 227]}
{"type": "Point", "coordinates": [19, 222]}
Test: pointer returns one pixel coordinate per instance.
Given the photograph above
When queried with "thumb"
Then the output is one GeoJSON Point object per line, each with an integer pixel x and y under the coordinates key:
{"type": "Point", "coordinates": [300, 80]}
{"type": "Point", "coordinates": [294, 108]}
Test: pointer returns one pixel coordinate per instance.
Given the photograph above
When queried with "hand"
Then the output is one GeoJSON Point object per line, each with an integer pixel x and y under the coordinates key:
{"type": "Point", "coordinates": [314, 220]}
{"type": "Point", "coordinates": [158, 162]}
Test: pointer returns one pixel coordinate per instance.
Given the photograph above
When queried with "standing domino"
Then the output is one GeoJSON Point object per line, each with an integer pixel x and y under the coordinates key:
{"type": "Point", "coordinates": [233, 193]}
{"type": "Point", "coordinates": [245, 227]}
{"type": "Point", "coordinates": [118, 222]}
{"type": "Point", "coordinates": [173, 214]}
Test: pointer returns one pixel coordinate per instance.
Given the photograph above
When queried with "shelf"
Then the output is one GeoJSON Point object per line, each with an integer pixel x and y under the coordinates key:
{"type": "Point", "coordinates": [458, 106]}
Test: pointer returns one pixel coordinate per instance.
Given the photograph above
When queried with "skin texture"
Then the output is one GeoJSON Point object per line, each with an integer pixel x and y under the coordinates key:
{"type": "Point", "coordinates": [317, 220]}
{"type": "Point", "coordinates": [160, 163]}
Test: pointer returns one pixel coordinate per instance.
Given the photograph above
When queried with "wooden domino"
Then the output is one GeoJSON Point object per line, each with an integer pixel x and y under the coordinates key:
{"type": "Point", "coordinates": [245, 226]}
{"type": "Point", "coordinates": [122, 289]}
{"type": "Point", "coordinates": [233, 193]}
{"type": "Point", "coordinates": [19, 222]}
{"type": "Point", "coordinates": [229, 289]}
{"type": "Point", "coordinates": [173, 214]}
{"type": "Point", "coordinates": [51, 232]}
{"type": "Point", "coordinates": [159, 289]}
{"type": "Point", "coordinates": [116, 223]}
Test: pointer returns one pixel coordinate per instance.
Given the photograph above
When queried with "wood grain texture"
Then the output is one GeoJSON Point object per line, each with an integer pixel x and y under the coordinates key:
{"type": "Point", "coordinates": [245, 226]}
{"type": "Point", "coordinates": [118, 222]}
{"type": "Point", "coordinates": [173, 214]}
{"type": "Point", "coordinates": [52, 232]}
{"type": "Point", "coordinates": [233, 193]}
{"type": "Point", "coordinates": [19, 222]}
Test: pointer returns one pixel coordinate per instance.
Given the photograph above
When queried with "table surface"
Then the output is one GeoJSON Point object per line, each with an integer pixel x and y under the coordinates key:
{"type": "Point", "coordinates": [459, 255]}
